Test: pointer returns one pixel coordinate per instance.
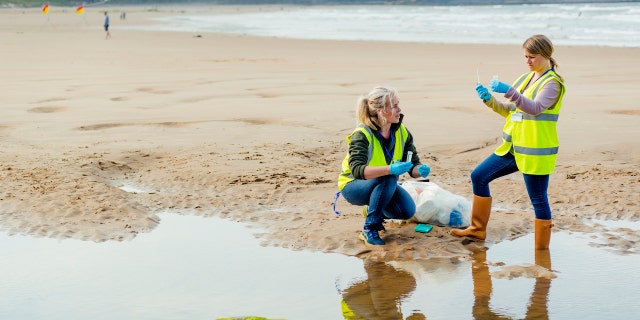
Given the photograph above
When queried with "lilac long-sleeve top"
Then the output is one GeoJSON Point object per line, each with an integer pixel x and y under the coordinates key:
{"type": "Point", "coordinates": [546, 97]}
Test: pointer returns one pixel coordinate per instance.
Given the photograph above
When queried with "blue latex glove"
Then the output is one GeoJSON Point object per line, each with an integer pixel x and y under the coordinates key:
{"type": "Point", "coordinates": [499, 86]}
{"type": "Point", "coordinates": [399, 168]}
{"type": "Point", "coordinates": [424, 170]}
{"type": "Point", "coordinates": [483, 92]}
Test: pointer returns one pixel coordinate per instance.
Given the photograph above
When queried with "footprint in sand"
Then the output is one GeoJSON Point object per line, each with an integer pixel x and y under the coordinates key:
{"type": "Point", "coordinates": [628, 112]}
{"type": "Point", "coordinates": [120, 99]}
{"type": "Point", "coordinates": [101, 126]}
{"type": "Point", "coordinates": [463, 109]}
{"type": "Point", "coordinates": [51, 100]}
{"type": "Point", "coordinates": [153, 90]}
{"type": "Point", "coordinates": [46, 109]}
{"type": "Point", "coordinates": [170, 124]}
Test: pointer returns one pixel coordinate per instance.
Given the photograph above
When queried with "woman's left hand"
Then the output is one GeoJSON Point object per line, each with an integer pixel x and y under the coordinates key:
{"type": "Point", "coordinates": [499, 86]}
{"type": "Point", "coordinates": [424, 170]}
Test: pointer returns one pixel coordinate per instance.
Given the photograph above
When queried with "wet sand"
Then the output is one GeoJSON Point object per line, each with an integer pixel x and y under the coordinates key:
{"type": "Point", "coordinates": [99, 136]}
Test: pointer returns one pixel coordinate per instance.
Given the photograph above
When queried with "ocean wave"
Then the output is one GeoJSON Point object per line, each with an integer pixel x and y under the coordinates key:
{"type": "Point", "coordinates": [613, 24]}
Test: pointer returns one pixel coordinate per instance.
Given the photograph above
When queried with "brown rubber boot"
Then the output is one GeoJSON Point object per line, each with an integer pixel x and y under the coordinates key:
{"type": "Point", "coordinates": [543, 258]}
{"type": "Point", "coordinates": [543, 234]}
{"type": "Point", "coordinates": [480, 212]}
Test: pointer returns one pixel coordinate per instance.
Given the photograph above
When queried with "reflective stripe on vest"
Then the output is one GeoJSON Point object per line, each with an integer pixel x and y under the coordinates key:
{"type": "Point", "coordinates": [536, 151]}
{"type": "Point", "coordinates": [375, 153]}
{"type": "Point", "coordinates": [534, 139]}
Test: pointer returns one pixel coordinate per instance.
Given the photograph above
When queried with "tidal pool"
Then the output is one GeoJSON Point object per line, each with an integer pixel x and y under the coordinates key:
{"type": "Point", "coordinates": [193, 267]}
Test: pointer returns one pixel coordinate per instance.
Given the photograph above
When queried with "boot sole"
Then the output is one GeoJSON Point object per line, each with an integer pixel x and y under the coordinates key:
{"type": "Point", "coordinates": [468, 235]}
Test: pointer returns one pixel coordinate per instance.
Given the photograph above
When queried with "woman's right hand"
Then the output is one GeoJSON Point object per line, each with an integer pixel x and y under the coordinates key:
{"type": "Point", "coordinates": [424, 170]}
{"type": "Point", "coordinates": [483, 93]}
{"type": "Point", "coordinates": [399, 168]}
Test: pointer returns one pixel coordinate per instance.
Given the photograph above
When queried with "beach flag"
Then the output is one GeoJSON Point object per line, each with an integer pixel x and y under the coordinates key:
{"type": "Point", "coordinates": [80, 9]}
{"type": "Point", "coordinates": [45, 8]}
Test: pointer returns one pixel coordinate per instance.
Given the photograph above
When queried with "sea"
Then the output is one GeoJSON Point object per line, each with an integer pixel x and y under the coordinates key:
{"type": "Point", "coordinates": [586, 24]}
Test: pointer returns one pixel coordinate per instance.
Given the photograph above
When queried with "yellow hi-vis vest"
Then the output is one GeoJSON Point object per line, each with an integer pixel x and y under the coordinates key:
{"type": "Point", "coordinates": [376, 152]}
{"type": "Point", "coordinates": [533, 139]}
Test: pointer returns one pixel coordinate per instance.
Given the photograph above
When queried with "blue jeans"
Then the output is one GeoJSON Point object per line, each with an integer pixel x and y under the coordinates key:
{"type": "Point", "coordinates": [495, 166]}
{"type": "Point", "coordinates": [386, 199]}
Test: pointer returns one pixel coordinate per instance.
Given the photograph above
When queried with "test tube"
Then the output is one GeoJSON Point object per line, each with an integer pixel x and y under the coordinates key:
{"type": "Point", "coordinates": [409, 156]}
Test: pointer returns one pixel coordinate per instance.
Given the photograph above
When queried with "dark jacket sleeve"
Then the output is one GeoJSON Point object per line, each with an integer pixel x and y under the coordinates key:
{"type": "Point", "coordinates": [358, 154]}
{"type": "Point", "coordinates": [409, 146]}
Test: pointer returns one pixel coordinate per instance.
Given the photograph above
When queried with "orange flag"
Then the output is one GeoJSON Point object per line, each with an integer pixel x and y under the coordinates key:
{"type": "Point", "coordinates": [80, 9]}
{"type": "Point", "coordinates": [45, 8]}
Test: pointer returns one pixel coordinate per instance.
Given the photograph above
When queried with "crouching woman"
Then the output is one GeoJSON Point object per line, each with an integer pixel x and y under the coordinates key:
{"type": "Point", "coordinates": [370, 171]}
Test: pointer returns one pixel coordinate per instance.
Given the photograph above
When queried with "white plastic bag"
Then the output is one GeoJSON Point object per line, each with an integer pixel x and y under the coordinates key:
{"type": "Point", "coordinates": [438, 206]}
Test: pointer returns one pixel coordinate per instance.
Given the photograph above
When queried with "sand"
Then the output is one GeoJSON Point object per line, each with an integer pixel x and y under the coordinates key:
{"type": "Point", "coordinates": [98, 137]}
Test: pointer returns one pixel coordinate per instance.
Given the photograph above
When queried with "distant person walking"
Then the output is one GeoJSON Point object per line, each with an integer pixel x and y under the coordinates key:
{"type": "Point", "coordinates": [106, 25]}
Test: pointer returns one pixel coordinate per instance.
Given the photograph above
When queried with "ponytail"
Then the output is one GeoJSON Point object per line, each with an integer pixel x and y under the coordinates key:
{"type": "Point", "coordinates": [554, 66]}
{"type": "Point", "coordinates": [367, 107]}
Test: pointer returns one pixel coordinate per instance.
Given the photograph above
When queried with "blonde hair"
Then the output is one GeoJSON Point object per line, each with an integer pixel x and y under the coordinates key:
{"type": "Point", "coordinates": [540, 44]}
{"type": "Point", "coordinates": [368, 106]}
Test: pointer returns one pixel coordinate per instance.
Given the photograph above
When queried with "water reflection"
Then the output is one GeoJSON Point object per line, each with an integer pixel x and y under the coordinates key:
{"type": "Point", "coordinates": [204, 268]}
{"type": "Point", "coordinates": [483, 289]}
{"type": "Point", "coordinates": [379, 295]}
{"type": "Point", "coordinates": [388, 289]}
{"type": "Point", "coordinates": [509, 280]}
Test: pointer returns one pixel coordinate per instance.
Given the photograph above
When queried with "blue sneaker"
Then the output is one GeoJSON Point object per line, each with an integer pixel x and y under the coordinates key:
{"type": "Point", "coordinates": [371, 237]}
{"type": "Point", "coordinates": [380, 227]}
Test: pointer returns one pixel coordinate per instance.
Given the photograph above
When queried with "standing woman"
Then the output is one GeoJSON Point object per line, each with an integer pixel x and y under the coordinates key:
{"type": "Point", "coordinates": [529, 139]}
{"type": "Point", "coordinates": [370, 170]}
